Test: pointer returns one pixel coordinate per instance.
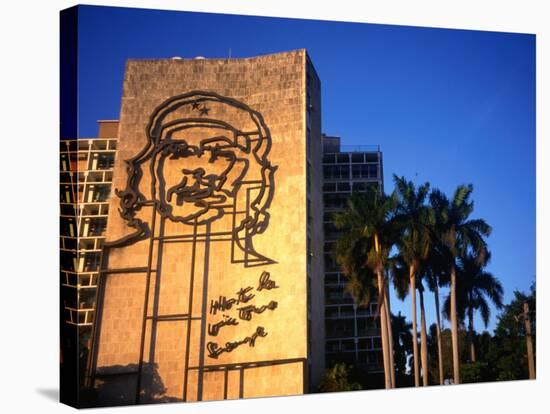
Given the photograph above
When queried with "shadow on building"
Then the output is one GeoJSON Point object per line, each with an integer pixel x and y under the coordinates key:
{"type": "Point", "coordinates": [109, 390]}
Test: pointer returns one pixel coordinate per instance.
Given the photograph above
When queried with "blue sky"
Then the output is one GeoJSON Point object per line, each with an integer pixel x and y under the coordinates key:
{"type": "Point", "coordinates": [445, 106]}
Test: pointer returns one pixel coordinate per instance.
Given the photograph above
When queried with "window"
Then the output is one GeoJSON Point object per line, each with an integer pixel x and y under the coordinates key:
{"type": "Point", "coordinates": [336, 172]}
{"type": "Point", "coordinates": [335, 200]}
{"type": "Point", "coordinates": [331, 232]}
{"type": "Point", "coordinates": [333, 346]}
{"type": "Point", "coordinates": [330, 263]}
{"type": "Point", "coordinates": [331, 312]}
{"type": "Point", "coordinates": [68, 260]}
{"type": "Point", "coordinates": [365, 171]}
{"type": "Point", "coordinates": [329, 246]}
{"type": "Point", "coordinates": [68, 227]}
{"type": "Point", "coordinates": [365, 343]}
{"type": "Point", "coordinates": [359, 186]}
{"type": "Point", "coordinates": [101, 161]}
{"type": "Point", "coordinates": [342, 158]}
{"type": "Point", "coordinates": [67, 194]}
{"type": "Point", "coordinates": [91, 262]}
{"type": "Point", "coordinates": [344, 187]}
{"type": "Point", "coordinates": [98, 193]}
{"type": "Point", "coordinates": [328, 217]}
{"type": "Point", "coordinates": [372, 171]}
{"type": "Point", "coordinates": [356, 171]}
{"type": "Point", "coordinates": [371, 157]}
{"type": "Point", "coordinates": [65, 165]}
{"type": "Point", "coordinates": [97, 227]}
{"type": "Point", "coordinates": [348, 345]}
{"type": "Point", "coordinates": [331, 278]}
{"type": "Point", "coordinates": [68, 210]}
{"type": "Point", "coordinates": [67, 243]}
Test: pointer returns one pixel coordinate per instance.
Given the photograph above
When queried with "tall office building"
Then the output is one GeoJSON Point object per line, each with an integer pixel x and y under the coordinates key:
{"type": "Point", "coordinates": [86, 172]}
{"type": "Point", "coordinates": [85, 179]}
{"type": "Point", "coordinates": [211, 275]}
{"type": "Point", "coordinates": [352, 333]}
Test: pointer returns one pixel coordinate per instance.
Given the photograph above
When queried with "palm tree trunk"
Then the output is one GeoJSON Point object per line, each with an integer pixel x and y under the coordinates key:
{"type": "Point", "coordinates": [390, 337]}
{"type": "Point", "coordinates": [471, 334]}
{"type": "Point", "coordinates": [383, 318]}
{"type": "Point", "coordinates": [384, 330]}
{"type": "Point", "coordinates": [529, 339]}
{"type": "Point", "coordinates": [438, 327]}
{"type": "Point", "coordinates": [412, 277]}
{"type": "Point", "coordinates": [423, 340]}
{"type": "Point", "coordinates": [454, 327]}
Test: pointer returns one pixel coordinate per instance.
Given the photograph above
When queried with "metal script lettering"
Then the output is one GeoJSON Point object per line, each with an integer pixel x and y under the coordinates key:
{"type": "Point", "coordinates": [214, 329]}
{"type": "Point", "coordinates": [245, 312]}
{"type": "Point", "coordinates": [266, 283]}
{"type": "Point", "coordinates": [214, 350]}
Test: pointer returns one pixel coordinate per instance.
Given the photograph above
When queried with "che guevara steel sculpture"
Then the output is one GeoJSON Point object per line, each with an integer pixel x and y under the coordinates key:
{"type": "Point", "coordinates": [211, 195]}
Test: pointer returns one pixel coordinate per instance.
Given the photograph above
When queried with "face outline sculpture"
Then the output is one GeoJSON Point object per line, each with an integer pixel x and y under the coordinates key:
{"type": "Point", "coordinates": [225, 167]}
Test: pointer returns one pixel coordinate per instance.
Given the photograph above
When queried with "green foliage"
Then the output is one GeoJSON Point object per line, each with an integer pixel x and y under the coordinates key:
{"type": "Point", "coordinates": [475, 372]}
{"type": "Point", "coordinates": [474, 289]}
{"type": "Point", "coordinates": [508, 349]}
{"type": "Point", "coordinates": [367, 216]}
{"type": "Point", "coordinates": [500, 357]}
{"type": "Point", "coordinates": [337, 379]}
{"type": "Point", "coordinates": [508, 324]}
{"type": "Point", "coordinates": [456, 232]}
{"type": "Point", "coordinates": [447, 348]}
{"type": "Point", "coordinates": [412, 220]}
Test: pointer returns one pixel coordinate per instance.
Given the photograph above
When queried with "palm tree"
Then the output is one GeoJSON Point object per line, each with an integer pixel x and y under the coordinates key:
{"type": "Point", "coordinates": [474, 288]}
{"type": "Point", "coordinates": [362, 253]}
{"type": "Point", "coordinates": [436, 277]}
{"type": "Point", "coordinates": [456, 235]}
{"type": "Point", "coordinates": [413, 218]}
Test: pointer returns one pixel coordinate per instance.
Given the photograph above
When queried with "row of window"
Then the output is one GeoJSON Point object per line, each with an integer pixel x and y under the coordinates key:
{"type": "Point", "coordinates": [82, 317]}
{"type": "Point", "coordinates": [82, 244]}
{"type": "Point", "coordinates": [89, 227]}
{"type": "Point", "coordinates": [332, 187]}
{"type": "Point", "coordinates": [335, 278]}
{"type": "Point", "coordinates": [372, 359]}
{"type": "Point", "coordinates": [95, 193]}
{"type": "Point", "coordinates": [86, 280]}
{"type": "Point", "coordinates": [85, 145]}
{"type": "Point", "coordinates": [87, 209]}
{"type": "Point", "coordinates": [363, 344]}
{"type": "Point", "coordinates": [345, 172]}
{"type": "Point", "coordinates": [97, 161]}
{"type": "Point", "coordinates": [346, 311]}
{"type": "Point", "coordinates": [71, 262]}
{"type": "Point", "coordinates": [90, 177]}
{"type": "Point", "coordinates": [353, 157]}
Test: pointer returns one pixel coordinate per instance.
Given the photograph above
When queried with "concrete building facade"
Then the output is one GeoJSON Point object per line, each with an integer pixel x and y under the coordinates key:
{"type": "Point", "coordinates": [212, 266]}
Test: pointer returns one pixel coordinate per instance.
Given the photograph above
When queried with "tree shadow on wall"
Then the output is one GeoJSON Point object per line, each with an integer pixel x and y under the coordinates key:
{"type": "Point", "coordinates": [117, 385]}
